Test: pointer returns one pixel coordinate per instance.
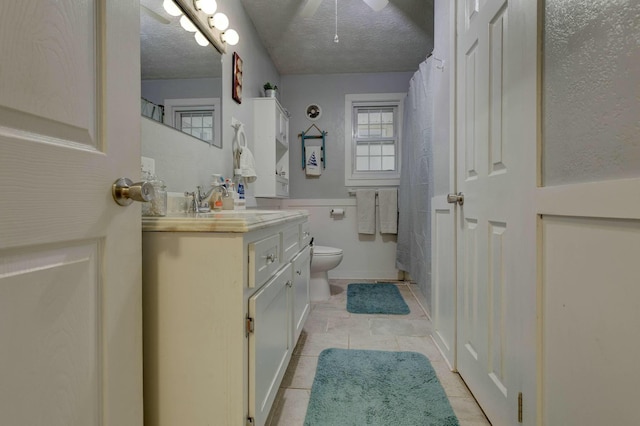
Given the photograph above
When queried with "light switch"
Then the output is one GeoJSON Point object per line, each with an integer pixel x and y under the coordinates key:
{"type": "Point", "coordinates": [148, 165]}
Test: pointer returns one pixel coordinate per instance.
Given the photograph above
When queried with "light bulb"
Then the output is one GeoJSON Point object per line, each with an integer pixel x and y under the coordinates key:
{"type": "Point", "coordinates": [220, 21]}
{"type": "Point", "coordinates": [187, 24]}
{"type": "Point", "coordinates": [207, 6]}
{"type": "Point", "coordinates": [202, 40]}
{"type": "Point", "coordinates": [171, 8]}
{"type": "Point", "coordinates": [231, 36]}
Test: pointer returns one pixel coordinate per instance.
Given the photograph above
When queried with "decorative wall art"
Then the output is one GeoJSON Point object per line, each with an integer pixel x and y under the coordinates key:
{"type": "Point", "coordinates": [236, 88]}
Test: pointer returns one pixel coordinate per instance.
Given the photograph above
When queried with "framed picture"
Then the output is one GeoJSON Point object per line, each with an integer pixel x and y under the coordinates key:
{"type": "Point", "coordinates": [236, 88]}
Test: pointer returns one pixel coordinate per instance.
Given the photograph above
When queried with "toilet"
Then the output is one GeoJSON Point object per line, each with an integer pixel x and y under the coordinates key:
{"type": "Point", "coordinates": [322, 260]}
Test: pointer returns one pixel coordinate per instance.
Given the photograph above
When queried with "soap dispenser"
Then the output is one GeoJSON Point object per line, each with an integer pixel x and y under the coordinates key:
{"type": "Point", "coordinates": [215, 201]}
{"type": "Point", "coordinates": [227, 196]}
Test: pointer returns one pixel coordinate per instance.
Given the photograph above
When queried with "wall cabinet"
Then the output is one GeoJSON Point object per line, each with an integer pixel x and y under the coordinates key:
{"type": "Point", "coordinates": [217, 342]}
{"type": "Point", "coordinates": [271, 148]}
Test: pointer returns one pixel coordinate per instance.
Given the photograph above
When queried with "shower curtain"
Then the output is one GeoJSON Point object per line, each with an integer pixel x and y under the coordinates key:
{"type": "Point", "coordinates": [413, 253]}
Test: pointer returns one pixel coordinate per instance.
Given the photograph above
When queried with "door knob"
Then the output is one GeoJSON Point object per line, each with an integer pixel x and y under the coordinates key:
{"type": "Point", "coordinates": [456, 198]}
{"type": "Point", "coordinates": [125, 192]}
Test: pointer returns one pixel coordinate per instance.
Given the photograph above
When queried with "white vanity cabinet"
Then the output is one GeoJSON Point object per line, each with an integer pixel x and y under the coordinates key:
{"type": "Point", "coordinates": [222, 312]}
{"type": "Point", "coordinates": [300, 291]}
{"type": "Point", "coordinates": [271, 148]}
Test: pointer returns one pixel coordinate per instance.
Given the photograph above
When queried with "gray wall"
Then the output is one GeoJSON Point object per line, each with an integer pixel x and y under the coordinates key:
{"type": "Point", "coordinates": [298, 91]}
{"type": "Point", "coordinates": [157, 91]}
{"type": "Point", "coordinates": [591, 91]}
{"type": "Point", "coordinates": [442, 101]}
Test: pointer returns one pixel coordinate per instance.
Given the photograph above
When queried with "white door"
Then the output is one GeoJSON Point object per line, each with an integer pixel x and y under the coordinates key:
{"type": "Point", "coordinates": [443, 235]}
{"type": "Point", "coordinates": [496, 172]}
{"type": "Point", "coordinates": [70, 268]}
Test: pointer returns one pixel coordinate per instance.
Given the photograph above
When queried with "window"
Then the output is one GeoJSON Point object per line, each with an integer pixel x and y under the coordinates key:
{"type": "Point", "coordinates": [199, 118]}
{"type": "Point", "coordinates": [198, 124]}
{"type": "Point", "coordinates": [373, 125]}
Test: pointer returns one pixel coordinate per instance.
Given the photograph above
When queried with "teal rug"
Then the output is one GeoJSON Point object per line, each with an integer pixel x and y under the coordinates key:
{"type": "Point", "coordinates": [359, 387]}
{"type": "Point", "coordinates": [379, 298]}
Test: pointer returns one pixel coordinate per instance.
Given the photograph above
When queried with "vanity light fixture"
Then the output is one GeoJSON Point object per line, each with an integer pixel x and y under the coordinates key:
{"type": "Point", "coordinates": [207, 6]}
{"type": "Point", "coordinates": [200, 39]}
{"type": "Point", "coordinates": [219, 21]}
{"type": "Point", "coordinates": [230, 36]}
{"type": "Point", "coordinates": [171, 8]}
{"type": "Point", "coordinates": [186, 23]}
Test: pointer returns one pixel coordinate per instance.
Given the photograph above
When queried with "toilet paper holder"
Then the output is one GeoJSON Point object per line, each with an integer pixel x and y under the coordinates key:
{"type": "Point", "coordinates": [337, 212]}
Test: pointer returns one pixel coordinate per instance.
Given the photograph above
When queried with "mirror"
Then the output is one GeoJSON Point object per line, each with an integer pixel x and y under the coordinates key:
{"type": "Point", "coordinates": [181, 81]}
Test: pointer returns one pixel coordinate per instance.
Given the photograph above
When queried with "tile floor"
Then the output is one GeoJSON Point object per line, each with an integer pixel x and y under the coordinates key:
{"type": "Point", "coordinates": [330, 325]}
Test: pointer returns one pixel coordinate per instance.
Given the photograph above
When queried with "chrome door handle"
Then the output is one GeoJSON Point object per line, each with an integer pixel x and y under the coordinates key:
{"type": "Point", "coordinates": [271, 257]}
{"type": "Point", "coordinates": [456, 198]}
{"type": "Point", "coordinates": [125, 192]}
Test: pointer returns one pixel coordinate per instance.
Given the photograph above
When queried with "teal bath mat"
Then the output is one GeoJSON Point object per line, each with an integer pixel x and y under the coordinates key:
{"type": "Point", "coordinates": [361, 387]}
{"type": "Point", "coordinates": [377, 298]}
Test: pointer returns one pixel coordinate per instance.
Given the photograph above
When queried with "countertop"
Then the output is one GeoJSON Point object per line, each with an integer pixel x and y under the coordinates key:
{"type": "Point", "coordinates": [223, 221]}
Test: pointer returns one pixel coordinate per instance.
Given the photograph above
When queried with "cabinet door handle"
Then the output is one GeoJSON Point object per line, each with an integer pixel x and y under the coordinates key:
{"type": "Point", "coordinates": [289, 283]}
{"type": "Point", "coordinates": [271, 257]}
{"type": "Point", "coordinates": [299, 272]}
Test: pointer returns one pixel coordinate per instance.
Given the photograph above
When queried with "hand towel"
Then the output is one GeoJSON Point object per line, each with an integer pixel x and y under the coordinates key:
{"type": "Point", "coordinates": [388, 207]}
{"type": "Point", "coordinates": [247, 162]}
{"type": "Point", "coordinates": [312, 161]}
{"type": "Point", "coordinates": [366, 210]}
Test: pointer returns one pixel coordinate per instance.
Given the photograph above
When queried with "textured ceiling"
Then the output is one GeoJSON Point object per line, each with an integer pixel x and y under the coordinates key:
{"type": "Point", "coordinates": [168, 51]}
{"type": "Point", "coordinates": [397, 38]}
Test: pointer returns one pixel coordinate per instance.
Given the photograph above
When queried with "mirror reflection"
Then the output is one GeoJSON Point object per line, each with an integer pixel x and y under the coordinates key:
{"type": "Point", "coordinates": [181, 80]}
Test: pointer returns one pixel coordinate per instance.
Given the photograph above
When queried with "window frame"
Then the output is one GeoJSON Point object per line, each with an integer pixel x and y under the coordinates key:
{"type": "Point", "coordinates": [379, 100]}
{"type": "Point", "coordinates": [175, 106]}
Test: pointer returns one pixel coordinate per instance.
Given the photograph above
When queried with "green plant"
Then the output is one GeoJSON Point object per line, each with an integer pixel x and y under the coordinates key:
{"type": "Point", "coordinates": [268, 86]}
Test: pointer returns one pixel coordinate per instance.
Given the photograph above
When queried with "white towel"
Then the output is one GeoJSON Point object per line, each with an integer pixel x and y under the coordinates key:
{"type": "Point", "coordinates": [366, 209]}
{"type": "Point", "coordinates": [388, 206]}
{"type": "Point", "coordinates": [312, 161]}
{"type": "Point", "coordinates": [247, 162]}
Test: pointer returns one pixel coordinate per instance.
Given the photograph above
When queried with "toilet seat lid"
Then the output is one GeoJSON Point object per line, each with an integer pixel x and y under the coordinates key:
{"type": "Point", "coordinates": [324, 250]}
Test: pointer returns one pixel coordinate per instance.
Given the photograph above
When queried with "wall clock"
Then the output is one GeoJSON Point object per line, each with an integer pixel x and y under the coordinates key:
{"type": "Point", "coordinates": [313, 112]}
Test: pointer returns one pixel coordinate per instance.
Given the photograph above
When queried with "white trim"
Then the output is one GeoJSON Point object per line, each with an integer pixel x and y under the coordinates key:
{"type": "Point", "coordinates": [173, 105]}
{"type": "Point", "coordinates": [604, 199]}
{"type": "Point", "coordinates": [374, 179]}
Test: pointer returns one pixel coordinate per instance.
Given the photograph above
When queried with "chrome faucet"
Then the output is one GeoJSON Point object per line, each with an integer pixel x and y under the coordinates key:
{"type": "Point", "coordinates": [199, 199]}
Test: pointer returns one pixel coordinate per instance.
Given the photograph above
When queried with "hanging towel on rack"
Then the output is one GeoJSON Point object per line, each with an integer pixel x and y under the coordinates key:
{"type": "Point", "coordinates": [312, 155]}
{"type": "Point", "coordinates": [247, 162]}
{"type": "Point", "coordinates": [366, 209]}
{"type": "Point", "coordinates": [388, 207]}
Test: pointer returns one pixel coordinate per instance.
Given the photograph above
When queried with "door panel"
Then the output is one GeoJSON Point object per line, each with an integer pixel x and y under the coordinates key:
{"type": "Point", "coordinates": [69, 255]}
{"type": "Point", "coordinates": [496, 173]}
{"type": "Point", "coordinates": [300, 292]}
{"type": "Point", "coordinates": [443, 277]}
{"type": "Point", "coordinates": [589, 316]}
{"type": "Point", "coordinates": [269, 344]}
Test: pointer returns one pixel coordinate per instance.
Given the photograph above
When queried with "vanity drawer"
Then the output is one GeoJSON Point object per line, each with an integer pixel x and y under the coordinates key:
{"type": "Point", "coordinates": [305, 234]}
{"type": "Point", "coordinates": [290, 242]}
{"type": "Point", "coordinates": [264, 260]}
